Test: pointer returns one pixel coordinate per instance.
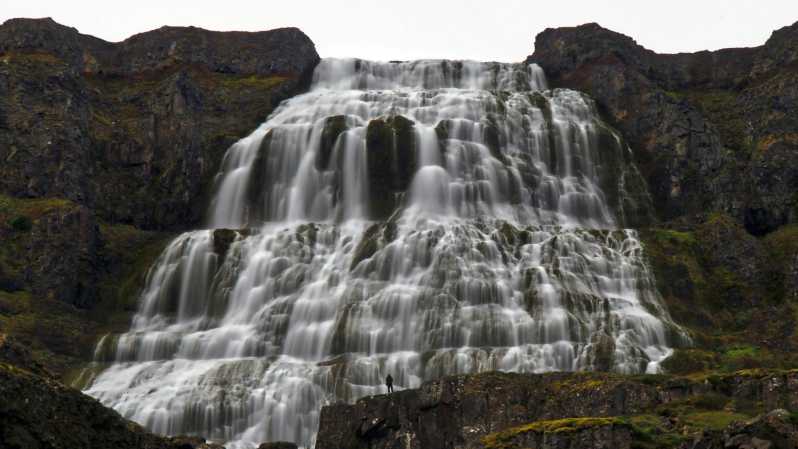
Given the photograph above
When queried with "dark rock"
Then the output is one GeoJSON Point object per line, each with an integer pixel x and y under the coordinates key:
{"type": "Point", "coordinates": [188, 442]}
{"type": "Point", "coordinates": [222, 239]}
{"type": "Point", "coordinates": [278, 445]}
{"type": "Point", "coordinates": [39, 412]}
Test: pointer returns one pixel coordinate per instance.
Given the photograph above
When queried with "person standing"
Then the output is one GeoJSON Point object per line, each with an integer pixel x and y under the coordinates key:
{"type": "Point", "coordinates": [389, 383]}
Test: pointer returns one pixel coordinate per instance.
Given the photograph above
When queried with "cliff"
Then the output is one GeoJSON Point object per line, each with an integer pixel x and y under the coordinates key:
{"type": "Point", "coordinates": [135, 130]}
{"type": "Point", "coordinates": [711, 131]}
{"type": "Point", "coordinates": [107, 149]}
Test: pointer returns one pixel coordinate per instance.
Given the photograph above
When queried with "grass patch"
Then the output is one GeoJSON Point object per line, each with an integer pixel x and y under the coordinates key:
{"type": "Point", "coordinates": [712, 420]}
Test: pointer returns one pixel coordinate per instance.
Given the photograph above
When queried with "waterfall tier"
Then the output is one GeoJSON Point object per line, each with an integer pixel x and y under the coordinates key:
{"type": "Point", "coordinates": [420, 219]}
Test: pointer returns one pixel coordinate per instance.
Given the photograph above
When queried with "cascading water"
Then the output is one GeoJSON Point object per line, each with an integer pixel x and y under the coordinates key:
{"type": "Point", "coordinates": [419, 219]}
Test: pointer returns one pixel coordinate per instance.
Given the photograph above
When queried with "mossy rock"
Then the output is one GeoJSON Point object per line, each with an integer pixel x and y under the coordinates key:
{"type": "Point", "coordinates": [687, 360]}
{"type": "Point", "coordinates": [514, 436]}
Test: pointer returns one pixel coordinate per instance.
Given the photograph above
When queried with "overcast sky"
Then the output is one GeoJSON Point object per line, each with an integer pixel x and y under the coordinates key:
{"type": "Point", "coordinates": [501, 30]}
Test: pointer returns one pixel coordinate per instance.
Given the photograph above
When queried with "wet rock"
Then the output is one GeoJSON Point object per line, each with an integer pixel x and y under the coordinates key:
{"type": "Point", "coordinates": [222, 239]}
{"type": "Point", "coordinates": [391, 162]}
{"type": "Point", "coordinates": [257, 191]}
{"type": "Point", "coordinates": [333, 128]}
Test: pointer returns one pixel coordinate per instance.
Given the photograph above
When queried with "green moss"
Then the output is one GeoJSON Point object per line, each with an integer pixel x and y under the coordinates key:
{"type": "Point", "coordinates": [504, 439]}
{"type": "Point", "coordinates": [650, 432]}
{"type": "Point", "coordinates": [251, 82]}
{"type": "Point", "coordinates": [782, 244]}
{"type": "Point", "coordinates": [713, 420]}
{"type": "Point", "coordinates": [32, 208]}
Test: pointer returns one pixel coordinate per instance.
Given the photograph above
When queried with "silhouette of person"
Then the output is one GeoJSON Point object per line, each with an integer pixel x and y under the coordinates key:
{"type": "Point", "coordinates": [389, 383]}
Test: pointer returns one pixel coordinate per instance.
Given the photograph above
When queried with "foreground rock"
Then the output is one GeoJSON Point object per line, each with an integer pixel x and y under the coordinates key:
{"type": "Point", "coordinates": [558, 410]}
{"type": "Point", "coordinates": [712, 131]}
{"type": "Point", "coordinates": [40, 412]}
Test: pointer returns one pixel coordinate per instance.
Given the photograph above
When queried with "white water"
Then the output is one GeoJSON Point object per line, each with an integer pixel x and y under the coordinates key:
{"type": "Point", "coordinates": [498, 258]}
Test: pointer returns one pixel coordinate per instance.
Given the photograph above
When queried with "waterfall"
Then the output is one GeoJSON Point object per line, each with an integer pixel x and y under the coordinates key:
{"type": "Point", "coordinates": [421, 219]}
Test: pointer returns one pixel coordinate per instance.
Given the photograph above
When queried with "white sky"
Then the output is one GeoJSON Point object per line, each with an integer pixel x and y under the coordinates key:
{"type": "Point", "coordinates": [501, 30]}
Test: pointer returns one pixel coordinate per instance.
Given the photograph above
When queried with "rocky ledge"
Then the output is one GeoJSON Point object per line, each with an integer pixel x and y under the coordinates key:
{"type": "Point", "coordinates": [573, 410]}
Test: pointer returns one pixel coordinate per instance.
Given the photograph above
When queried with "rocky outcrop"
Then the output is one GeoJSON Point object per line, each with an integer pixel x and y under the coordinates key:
{"type": "Point", "coordinates": [711, 130]}
{"type": "Point", "coordinates": [562, 410]}
{"type": "Point", "coordinates": [135, 130]}
{"type": "Point", "coordinates": [39, 412]}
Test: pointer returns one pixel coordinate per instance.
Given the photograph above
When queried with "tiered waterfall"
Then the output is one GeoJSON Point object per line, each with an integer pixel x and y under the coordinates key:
{"type": "Point", "coordinates": [420, 219]}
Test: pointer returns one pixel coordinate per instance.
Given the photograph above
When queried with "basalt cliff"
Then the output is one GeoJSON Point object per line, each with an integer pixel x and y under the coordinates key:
{"type": "Point", "coordinates": [109, 150]}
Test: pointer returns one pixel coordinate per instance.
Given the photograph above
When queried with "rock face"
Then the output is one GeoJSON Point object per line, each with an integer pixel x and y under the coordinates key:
{"type": "Point", "coordinates": [588, 411]}
{"type": "Point", "coordinates": [711, 130]}
{"type": "Point", "coordinates": [135, 130]}
{"type": "Point", "coordinates": [107, 145]}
